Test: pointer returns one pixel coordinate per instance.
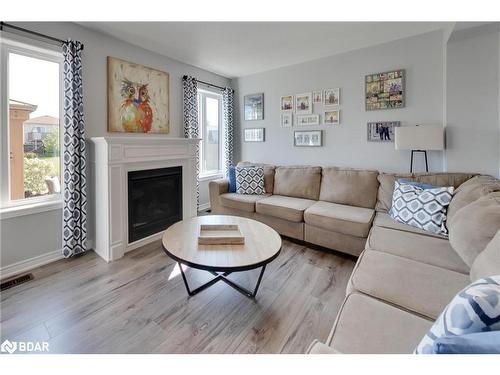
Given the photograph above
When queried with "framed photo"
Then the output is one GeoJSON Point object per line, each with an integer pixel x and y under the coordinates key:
{"type": "Point", "coordinates": [331, 97]}
{"type": "Point", "coordinates": [332, 117]}
{"type": "Point", "coordinates": [385, 90]}
{"type": "Point", "coordinates": [254, 107]}
{"type": "Point", "coordinates": [287, 103]}
{"type": "Point", "coordinates": [286, 120]}
{"type": "Point", "coordinates": [309, 138]}
{"type": "Point", "coordinates": [255, 135]}
{"type": "Point", "coordinates": [303, 103]}
{"type": "Point", "coordinates": [381, 131]}
{"type": "Point", "coordinates": [317, 96]}
{"type": "Point", "coordinates": [304, 120]}
{"type": "Point", "coordinates": [138, 98]}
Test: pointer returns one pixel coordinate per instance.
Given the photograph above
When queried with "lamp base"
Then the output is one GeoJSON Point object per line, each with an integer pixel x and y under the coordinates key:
{"type": "Point", "coordinates": [411, 160]}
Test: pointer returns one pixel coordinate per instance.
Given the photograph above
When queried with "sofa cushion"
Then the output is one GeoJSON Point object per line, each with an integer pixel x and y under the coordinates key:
{"type": "Point", "coordinates": [369, 326]}
{"type": "Point", "coordinates": [354, 187]}
{"type": "Point", "coordinates": [268, 174]}
{"type": "Point", "coordinates": [298, 182]}
{"type": "Point", "coordinates": [470, 191]}
{"type": "Point", "coordinates": [425, 249]}
{"type": "Point", "coordinates": [287, 208]}
{"type": "Point", "coordinates": [355, 221]}
{"type": "Point", "coordinates": [473, 226]}
{"type": "Point", "coordinates": [250, 180]}
{"type": "Point", "coordinates": [384, 220]}
{"type": "Point", "coordinates": [244, 202]}
{"type": "Point", "coordinates": [386, 189]}
{"type": "Point", "coordinates": [487, 262]}
{"type": "Point", "coordinates": [412, 285]}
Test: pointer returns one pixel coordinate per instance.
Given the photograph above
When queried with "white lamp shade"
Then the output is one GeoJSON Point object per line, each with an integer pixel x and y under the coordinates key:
{"type": "Point", "coordinates": [423, 137]}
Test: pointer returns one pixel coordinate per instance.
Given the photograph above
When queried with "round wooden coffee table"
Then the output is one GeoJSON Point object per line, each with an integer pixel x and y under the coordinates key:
{"type": "Point", "coordinates": [262, 245]}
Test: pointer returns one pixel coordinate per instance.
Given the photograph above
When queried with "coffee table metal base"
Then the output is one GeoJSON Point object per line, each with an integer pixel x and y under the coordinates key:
{"type": "Point", "coordinates": [222, 276]}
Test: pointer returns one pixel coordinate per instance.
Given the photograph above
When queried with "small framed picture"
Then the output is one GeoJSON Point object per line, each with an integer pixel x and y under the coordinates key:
{"type": "Point", "coordinates": [331, 97]}
{"type": "Point", "coordinates": [304, 120]}
{"type": "Point", "coordinates": [303, 103]}
{"type": "Point", "coordinates": [332, 117]}
{"type": "Point", "coordinates": [381, 131]}
{"type": "Point", "coordinates": [255, 135]}
{"type": "Point", "coordinates": [287, 103]}
{"type": "Point", "coordinates": [254, 107]}
{"type": "Point", "coordinates": [385, 90]}
{"type": "Point", "coordinates": [308, 138]}
{"type": "Point", "coordinates": [317, 96]}
{"type": "Point", "coordinates": [286, 120]}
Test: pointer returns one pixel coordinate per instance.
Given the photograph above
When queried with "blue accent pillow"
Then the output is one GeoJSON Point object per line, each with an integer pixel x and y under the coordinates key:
{"type": "Point", "coordinates": [420, 185]}
{"type": "Point", "coordinates": [473, 343]}
{"type": "Point", "coordinates": [232, 179]}
{"type": "Point", "coordinates": [476, 308]}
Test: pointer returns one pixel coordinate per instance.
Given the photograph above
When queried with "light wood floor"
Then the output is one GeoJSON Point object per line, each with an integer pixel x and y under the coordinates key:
{"type": "Point", "coordinates": [139, 305]}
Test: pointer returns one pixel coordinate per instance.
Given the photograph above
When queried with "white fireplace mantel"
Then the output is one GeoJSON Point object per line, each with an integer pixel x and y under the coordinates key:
{"type": "Point", "coordinates": [111, 159]}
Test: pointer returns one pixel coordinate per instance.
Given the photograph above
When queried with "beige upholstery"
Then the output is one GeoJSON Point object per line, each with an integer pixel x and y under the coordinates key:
{"type": "Point", "coordinates": [298, 182]}
{"type": "Point", "coordinates": [412, 285]}
{"type": "Point", "coordinates": [354, 187]}
{"type": "Point", "coordinates": [287, 208]}
{"type": "Point", "coordinates": [488, 262]}
{"type": "Point", "coordinates": [384, 220]}
{"type": "Point", "coordinates": [368, 326]}
{"type": "Point", "coordinates": [334, 240]}
{"type": "Point", "coordinates": [268, 174]}
{"type": "Point", "coordinates": [244, 202]}
{"type": "Point", "coordinates": [474, 225]}
{"type": "Point", "coordinates": [426, 249]}
{"type": "Point", "coordinates": [319, 348]}
{"type": "Point", "coordinates": [355, 221]}
{"type": "Point", "coordinates": [386, 189]}
{"type": "Point", "coordinates": [284, 227]}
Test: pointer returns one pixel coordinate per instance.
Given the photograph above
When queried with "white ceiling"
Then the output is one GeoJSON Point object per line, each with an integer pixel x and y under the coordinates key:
{"type": "Point", "coordinates": [235, 49]}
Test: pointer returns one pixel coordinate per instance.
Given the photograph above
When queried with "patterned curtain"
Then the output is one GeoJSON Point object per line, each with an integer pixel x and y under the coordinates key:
{"type": "Point", "coordinates": [74, 179]}
{"type": "Point", "coordinates": [227, 102]}
{"type": "Point", "coordinates": [191, 128]}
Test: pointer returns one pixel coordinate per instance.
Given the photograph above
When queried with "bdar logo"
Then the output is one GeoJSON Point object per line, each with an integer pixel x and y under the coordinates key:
{"type": "Point", "coordinates": [9, 347]}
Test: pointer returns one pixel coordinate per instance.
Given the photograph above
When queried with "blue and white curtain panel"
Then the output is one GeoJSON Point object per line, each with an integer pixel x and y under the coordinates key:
{"type": "Point", "coordinates": [191, 126]}
{"type": "Point", "coordinates": [74, 163]}
{"type": "Point", "coordinates": [228, 104]}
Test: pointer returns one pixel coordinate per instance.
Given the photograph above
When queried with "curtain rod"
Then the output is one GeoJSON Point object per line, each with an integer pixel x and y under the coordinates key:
{"type": "Point", "coordinates": [7, 25]}
{"type": "Point", "coordinates": [208, 84]}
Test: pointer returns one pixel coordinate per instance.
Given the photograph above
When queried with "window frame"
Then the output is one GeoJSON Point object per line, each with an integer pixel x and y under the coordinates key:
{"type": "Point", "coordinates": [42, 51]}
{"type": "Point", "coordinates": [201, 94]}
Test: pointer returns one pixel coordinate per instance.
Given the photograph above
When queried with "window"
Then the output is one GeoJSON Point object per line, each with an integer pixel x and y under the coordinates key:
{"type": "Point", "coordinates": [30, 124]}
{"type": "Point", "coordinates": [210, 122]}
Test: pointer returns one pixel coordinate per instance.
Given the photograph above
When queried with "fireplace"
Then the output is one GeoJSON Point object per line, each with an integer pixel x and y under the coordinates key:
{"type": "Point", "coordinates": [154, 201]}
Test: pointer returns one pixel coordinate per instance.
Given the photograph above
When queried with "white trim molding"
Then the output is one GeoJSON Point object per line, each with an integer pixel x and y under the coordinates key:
{"type": "Point", "coordinates": [29, 264]}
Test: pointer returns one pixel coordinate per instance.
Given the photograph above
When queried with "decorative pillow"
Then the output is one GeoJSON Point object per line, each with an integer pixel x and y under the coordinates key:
{"type": "Point", "coordinates": [421, 185]}
{"type": "Point", "coordinates": [474, 309]}
{"type": "Point", "coordinates": [421, 208]}
{"type": "Point", "coordinates": [472, 343]}
{"type": "Point", "coordinates": [250, 180]}
{"type": "Point", "coordinates": [232, 179]}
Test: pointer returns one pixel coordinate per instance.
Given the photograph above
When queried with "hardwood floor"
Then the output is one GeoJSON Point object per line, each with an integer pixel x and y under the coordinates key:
{"type": "Point", "coordinates": [138, 304]}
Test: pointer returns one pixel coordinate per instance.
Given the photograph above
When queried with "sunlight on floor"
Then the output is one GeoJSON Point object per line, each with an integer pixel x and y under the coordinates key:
{"type": "Point", "coordinates": [175, 272]}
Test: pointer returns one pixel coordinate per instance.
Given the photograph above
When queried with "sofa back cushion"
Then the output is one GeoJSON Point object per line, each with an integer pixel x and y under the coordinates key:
{"type": "Point", "coordinates": [474, 225]}
{"type": "Point", "coordinates": [488, 262]}
{"type": "Point", "coordinates": [471, 190]}
{"type": "Point", "coordinates": [387, 180]}
{"type": "Point", "coordinates": [268, 174]}
{"type": "Point", "coordinates": [297, 181]}
{"type": "Point", "coordinates": [353, 187]}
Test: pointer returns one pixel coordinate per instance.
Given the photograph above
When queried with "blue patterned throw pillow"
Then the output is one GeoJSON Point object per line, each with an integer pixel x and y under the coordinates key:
{"type": "Point", "coordinates": [421, 208]}
{"type": "Point", "coordinates": [474, 309]}
{"type": "Point", "coordinates": [250, 180]}
{"type": "Point", "coordinates": [232, 179]}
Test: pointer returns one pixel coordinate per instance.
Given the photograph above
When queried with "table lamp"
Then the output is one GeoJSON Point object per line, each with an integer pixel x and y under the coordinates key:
{"type": "Point", "coordinates": [419, 138]}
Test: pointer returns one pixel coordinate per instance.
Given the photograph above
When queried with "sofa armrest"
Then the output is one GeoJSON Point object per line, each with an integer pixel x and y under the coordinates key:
{"type": "Point", "coordinates": [215, 189]}
{"type": "Point", "coordinates": [317, 347]}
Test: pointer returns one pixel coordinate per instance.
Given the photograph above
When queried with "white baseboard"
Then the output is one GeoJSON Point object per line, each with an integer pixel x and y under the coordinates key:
{"type": "Point", "coordinates": [204, 206]}
{"type": "Point", "coordinates": [29, 264]}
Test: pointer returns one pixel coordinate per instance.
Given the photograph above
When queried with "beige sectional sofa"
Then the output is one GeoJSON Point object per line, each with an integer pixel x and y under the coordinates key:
{"type": "Point", "coordinates": [404, 276]}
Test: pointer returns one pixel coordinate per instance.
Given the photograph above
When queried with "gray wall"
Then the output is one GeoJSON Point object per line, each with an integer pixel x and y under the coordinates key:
{"type": "Point", "coordinates": [346, 145]}
{"type": "Point", "coordinates": [28, 236]}
{"type": "Point", "coordinates": [472, 100]}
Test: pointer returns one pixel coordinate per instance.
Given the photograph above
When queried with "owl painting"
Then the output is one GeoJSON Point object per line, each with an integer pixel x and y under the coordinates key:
{"type": "Point", "coordinates": [138, 98]}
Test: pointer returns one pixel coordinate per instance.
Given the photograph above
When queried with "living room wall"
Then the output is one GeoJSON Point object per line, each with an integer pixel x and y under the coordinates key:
{"type": "Point", "coordinates": [37, 237]}
{"type": "Point", "coordinates": [346, 145]}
